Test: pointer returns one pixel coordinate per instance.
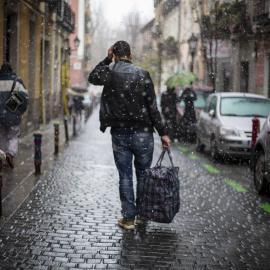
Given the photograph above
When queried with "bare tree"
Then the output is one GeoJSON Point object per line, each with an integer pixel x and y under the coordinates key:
{"type": "Point", "coordinates": [97, 18]}
{"type": "Point", "coordinates": [208, 38]}
{"type": "Point", "coordinates": [132, 26]}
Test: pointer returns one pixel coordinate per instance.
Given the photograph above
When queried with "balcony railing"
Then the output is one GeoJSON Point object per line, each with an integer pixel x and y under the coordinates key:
{"type": "Point", "coordinates": [156, 2]}
{"type": "Point", "coordinates": [169, 5]}
{"type": "Point", "coordinates": [261, 18]}
{"type": "Point", "coordinates": [64, 16]}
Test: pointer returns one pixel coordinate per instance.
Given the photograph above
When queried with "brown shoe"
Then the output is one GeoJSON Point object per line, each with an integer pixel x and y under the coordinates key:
{"type": "Point", "coordinates": [9, 161]}
{"type": "Point", "coordinates": [128, 225]}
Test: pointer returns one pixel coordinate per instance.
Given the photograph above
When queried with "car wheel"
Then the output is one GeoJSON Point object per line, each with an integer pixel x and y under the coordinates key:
{"type": "Point", "coordinates": [199, 145]}
{"type": "Point", "coordinates": [260, 181]}
{"type": "Point", "coordinates": [214, 151]}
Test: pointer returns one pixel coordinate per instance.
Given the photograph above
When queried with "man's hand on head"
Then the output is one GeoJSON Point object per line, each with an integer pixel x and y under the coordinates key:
{"type": "Point", "coordinates": [110, 52]}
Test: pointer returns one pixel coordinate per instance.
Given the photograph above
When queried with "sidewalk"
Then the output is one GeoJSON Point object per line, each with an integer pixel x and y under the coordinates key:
{"type": "Point", "coordinates": [19, 182]}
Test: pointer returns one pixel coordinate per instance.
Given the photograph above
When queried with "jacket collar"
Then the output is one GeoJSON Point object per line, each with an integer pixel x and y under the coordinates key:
{"type": "Point", "coordinates": [125, 60]}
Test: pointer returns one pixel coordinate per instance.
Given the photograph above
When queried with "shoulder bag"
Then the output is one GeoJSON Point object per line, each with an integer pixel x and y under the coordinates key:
{"type": "Point", "coordinates": [15, 99]}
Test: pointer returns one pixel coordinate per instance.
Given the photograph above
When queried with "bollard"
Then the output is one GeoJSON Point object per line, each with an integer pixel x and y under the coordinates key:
{"type": "Point", "coordinates": [74, 124]}
{"type": "Point", "coordinates": [66, 128]}
{"type": "Point", "coordinates": [2, 156]}
{"type": "Point", "coordinates": [56, 138]}
{"type": "Point", "coordinates": [255, 131]}
{"type": "Point", "coordinates": [38, 159]}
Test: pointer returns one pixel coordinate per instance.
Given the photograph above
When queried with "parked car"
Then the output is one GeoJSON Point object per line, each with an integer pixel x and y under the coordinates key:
{"type": "Point", "coordinates": [202, 93]}
{"type": "Point", "coordinates": [261, 159]}
{"type": "Point", "coordinates": [225, 124]}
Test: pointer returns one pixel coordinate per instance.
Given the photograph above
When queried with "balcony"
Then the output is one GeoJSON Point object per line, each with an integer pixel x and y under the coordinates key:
{"type": "Point", "coordinates": [261, 18]}
{"type": "Point", "coordinates": [51, 2]}
{"type": "Point", "coordinates": [64, 15]}
{"type": "Point", "coordinates": [156, 2]}
{"type": "Point", "coordinates": [169, 5]}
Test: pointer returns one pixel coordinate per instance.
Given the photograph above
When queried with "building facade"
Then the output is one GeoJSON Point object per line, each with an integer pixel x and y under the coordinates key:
{"type": "Point", "coordinates": [233, 53]}
{"type": "Point", "coordinates": [34, 40]}
{"type": "Point", "coordinates": [80, 57]}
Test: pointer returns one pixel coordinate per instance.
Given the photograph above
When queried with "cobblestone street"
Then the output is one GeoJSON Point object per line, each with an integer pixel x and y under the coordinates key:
{"type": "Point", "coordinates": [69, 221]}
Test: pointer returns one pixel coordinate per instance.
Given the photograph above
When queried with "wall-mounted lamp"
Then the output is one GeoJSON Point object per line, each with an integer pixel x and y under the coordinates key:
{"type": "Point", "coordinates": [76, 44]}
{"type": "Point", "coordinates": [192, 42]}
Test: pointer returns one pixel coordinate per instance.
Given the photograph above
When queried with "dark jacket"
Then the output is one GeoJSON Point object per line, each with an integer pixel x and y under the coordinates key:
{"type": "Point", "coordinates": [8, 118]}
{"type": "Point", "coordinates": [128, 98]}
{"type": "Point", "coordinates": [189, 96]}
{"type": "Point", "coordinates": [168, 103]}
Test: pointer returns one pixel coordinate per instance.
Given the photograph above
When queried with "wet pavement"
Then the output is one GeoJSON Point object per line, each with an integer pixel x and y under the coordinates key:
{"type": "Point", "coordinates": [20, 181]}
{"type": "Point", "coordinates": [69, 221]}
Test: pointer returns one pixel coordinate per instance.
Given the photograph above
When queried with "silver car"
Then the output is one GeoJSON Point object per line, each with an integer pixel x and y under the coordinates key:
{"type": "Point", "coordinates": [261, 159]}
{"type": "Point", "coordinates": [225, 124]}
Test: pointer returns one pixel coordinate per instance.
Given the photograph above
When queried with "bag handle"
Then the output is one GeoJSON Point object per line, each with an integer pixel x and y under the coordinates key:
{"type": "Point", "coordinates": [162, 156]}
{"type": "Point", "coordinates": [13, 85]}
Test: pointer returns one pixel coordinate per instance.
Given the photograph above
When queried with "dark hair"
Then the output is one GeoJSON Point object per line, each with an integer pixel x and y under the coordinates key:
{"type": "Point", "coordinates": [6, 67]}
{"type": "Point", "coordinates": [121, 49]}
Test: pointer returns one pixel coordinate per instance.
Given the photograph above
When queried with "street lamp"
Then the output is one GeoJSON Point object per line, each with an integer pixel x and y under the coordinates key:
{"type": "Point", "coordinates": [76, 44]}
{"type": "Point", "coordinates": [192, 42]}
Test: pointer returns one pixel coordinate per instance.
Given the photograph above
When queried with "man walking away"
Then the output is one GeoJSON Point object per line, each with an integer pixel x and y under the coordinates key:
{"type": "Point", "coordinates": [129, 107]}
{"type": "Point", "coordinates": [11, 112]}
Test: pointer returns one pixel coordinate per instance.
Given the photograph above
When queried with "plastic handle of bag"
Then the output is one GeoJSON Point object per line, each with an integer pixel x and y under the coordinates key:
{"type": "Point", "coordinates": [162, 156]}
{"type": "Point", "coordinates": [170, 156]}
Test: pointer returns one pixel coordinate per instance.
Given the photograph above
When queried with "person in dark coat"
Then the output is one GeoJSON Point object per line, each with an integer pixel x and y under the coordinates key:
{"type": "Point", "coordinates": [169, 111]}
{"type": "Point", "coordinates": [189, 117]}
{"type": "Point", "coordinates": [78, 105]}
{"type": "Point", "coordinates": [10, 116]}
{"type": "Point", "coordinates": [189, 96]}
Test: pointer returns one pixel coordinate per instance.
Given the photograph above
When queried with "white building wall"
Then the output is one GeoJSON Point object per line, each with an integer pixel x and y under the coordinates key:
{"type": "Point", "coordinates": [171, 24]}
{"type": "Point", "coordinates": [171, 28]}
{"type": "Point", "coordinates": [81, 27]}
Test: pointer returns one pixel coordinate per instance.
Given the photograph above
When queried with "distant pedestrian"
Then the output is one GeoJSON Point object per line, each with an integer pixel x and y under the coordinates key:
{"type": "Point", "coordinates": [129, 107]}
{"type": "Point", "coordinates": [78, 106]}
{"type": "Point", "coordinates": [169, 112]}
{"type": "Point", "coordinates": [12, 106]}
{"type": "Point", "coordinates": [188, 121]}
{"type": "Point", "coordinates": [70, 104]}
{"type": "Point", "coordinates": [189, 96]}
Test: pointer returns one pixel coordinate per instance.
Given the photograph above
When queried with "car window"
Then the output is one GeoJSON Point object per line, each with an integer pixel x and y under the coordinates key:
{"type": "Point", "coordinates": [244, 106]}
{"type": "Point", "coordinates": [199, 102]}
{"type": "Point", "coordinates": [212, 104]}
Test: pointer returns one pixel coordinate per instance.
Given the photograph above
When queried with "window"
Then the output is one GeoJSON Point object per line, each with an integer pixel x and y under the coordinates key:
{"type": "Point", "coordinates": [212, 104]}
{"type": "Point", "coordinates": [244, 107]}
{"type": "Point", "coordinates": [199, 102]}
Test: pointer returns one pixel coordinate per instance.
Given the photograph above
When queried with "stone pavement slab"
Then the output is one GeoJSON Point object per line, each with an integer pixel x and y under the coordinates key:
{"type": "Point", "coordinates": [69, 221]}
{"type": "Point", "coordinates": [19, 182]}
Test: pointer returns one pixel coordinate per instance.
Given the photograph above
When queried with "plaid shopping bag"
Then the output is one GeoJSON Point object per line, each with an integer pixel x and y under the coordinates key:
{"type": "Point", "coordinates": [160, 198]}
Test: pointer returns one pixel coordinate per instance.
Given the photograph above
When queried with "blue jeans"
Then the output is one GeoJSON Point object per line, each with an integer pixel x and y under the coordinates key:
{"type": "Point", "coordinates": [141, 146]}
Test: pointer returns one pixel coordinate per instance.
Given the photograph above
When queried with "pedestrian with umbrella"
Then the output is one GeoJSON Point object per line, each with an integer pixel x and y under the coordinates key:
{"type": "Point", "coordinates": [169, 100]}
